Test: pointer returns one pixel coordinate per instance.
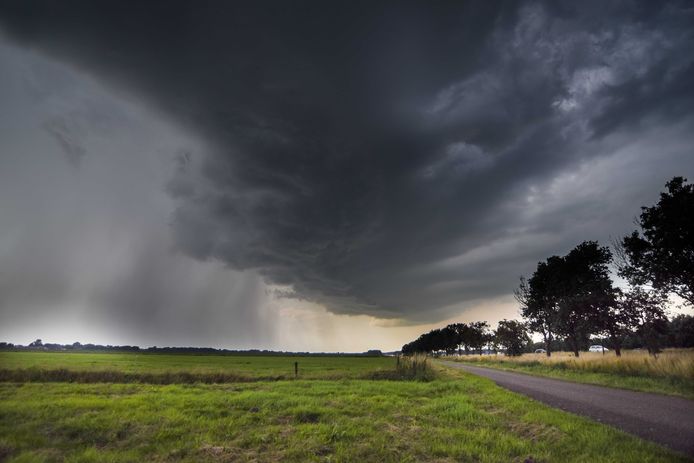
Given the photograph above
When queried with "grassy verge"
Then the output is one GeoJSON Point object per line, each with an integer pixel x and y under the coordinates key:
{"type": "Point", "coordinates": [671, 373]}
{"type": "Point", "coordinates": [456, 417]}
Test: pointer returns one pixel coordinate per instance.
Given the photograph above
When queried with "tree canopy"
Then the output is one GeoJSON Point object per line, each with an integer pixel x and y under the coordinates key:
{"type": "Point", "coordinates": [662, 254]}
{"type": "Point", "coordinates": [565, 294]}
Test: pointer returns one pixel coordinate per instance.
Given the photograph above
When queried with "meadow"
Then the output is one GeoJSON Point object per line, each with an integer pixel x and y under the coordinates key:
{"type": "Point", "coordinates": [177, 368]}
{"type": "Point", "coordinates": [671, 372]}
{"type": "Point", "coordinates": [366, 410]}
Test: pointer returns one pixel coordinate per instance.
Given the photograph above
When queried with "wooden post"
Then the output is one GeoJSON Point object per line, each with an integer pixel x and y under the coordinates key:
{"type": "Point", "coordinates": [296, 369]}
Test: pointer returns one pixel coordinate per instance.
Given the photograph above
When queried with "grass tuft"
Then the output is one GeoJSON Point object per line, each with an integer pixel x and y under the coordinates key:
{"type": "Point", "coordinates": [407, 368]}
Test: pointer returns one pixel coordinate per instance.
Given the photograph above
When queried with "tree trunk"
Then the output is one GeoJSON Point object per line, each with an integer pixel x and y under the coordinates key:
{"type": "Point", "coordinates": [548, 343]}
{"type": "Point", "coordinates": [617, 346]}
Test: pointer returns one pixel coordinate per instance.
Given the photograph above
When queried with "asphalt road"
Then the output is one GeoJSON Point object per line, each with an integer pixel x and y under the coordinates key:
{"type": "Point", "coordinates": [666, 420]}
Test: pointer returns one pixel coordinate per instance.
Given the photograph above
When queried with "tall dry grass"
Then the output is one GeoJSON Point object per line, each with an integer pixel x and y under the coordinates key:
{"type": "Point", "coordinates": [408, 367]}
{"type": "Point", "coordinates": [671, 363]}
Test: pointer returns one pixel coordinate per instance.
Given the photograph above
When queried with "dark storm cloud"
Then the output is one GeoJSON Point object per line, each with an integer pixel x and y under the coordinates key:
{"type": "Point", "coordinates": [66, 133]}
{"type": "Point", "coordinates": [372, 154]}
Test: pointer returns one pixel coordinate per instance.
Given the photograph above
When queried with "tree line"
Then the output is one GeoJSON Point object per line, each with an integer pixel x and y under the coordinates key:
{"type": "Point", "coordinates": [39, 345]}
{"type": "Point", "coordinates": [571, 298]}
{"type": "Point", "coordinates": [511, 335]}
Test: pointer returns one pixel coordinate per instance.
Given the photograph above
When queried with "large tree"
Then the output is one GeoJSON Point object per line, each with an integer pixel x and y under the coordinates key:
{"type": "Point", "coordinates": [584, 292]}
{"type": "Point", "coordinates": [539, 302]}
{"type": "Point", "coordinates": [662, 254]}
{"type": "Point", "coordinates": [566, 294]}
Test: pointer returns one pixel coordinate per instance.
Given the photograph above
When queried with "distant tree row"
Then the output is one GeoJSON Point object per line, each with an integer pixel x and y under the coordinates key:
{"type": "Point", "coordinates": [510, 335]}
{"type": "Point", "coordinates": [39, 345]}
{"type": "Point", "coordinates": [572, 298]}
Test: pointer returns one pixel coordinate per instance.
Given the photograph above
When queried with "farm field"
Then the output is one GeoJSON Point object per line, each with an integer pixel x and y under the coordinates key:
{"type": "Point", "coordinates": [231, 367]}
{"type": "Point", "coordinates": [452, 416]}
{"type": "Point", "coordinates": [672, 372]}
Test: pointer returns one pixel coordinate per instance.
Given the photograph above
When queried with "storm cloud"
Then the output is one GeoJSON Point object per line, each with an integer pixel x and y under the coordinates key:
{"type": "Point", "coordinates": [403, 160]}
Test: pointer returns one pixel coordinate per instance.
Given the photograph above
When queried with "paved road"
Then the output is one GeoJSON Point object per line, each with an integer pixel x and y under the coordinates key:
{"type": "Point", "coordinates": [663, 419]}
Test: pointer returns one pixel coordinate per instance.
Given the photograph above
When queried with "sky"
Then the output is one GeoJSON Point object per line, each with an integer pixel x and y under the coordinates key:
{"type": "Point", "coordinates": [320, 176]}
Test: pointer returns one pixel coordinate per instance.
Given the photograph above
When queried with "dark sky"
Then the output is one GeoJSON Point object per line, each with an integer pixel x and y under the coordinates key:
{"type": "Point", "coordinates": [229, 173]}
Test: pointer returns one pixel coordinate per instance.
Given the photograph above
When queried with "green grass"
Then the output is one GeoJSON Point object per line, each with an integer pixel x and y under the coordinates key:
{"type": "Point", "coordinates": [465, 419]}
{"type": "Point", "coordinates": [444, 416]}
{"type": "Point", "coordinates": [236, 368]}
{"type": "Point", "coordinates": [671, 373]}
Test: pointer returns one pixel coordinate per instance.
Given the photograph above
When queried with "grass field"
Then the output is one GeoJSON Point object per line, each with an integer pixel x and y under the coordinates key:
{"type": "Point", "coordinates": [451, 417]}
{"type": "Point", "coordinates": [672, 372]}
{"type": "Point", "coordinates": [234, 368]}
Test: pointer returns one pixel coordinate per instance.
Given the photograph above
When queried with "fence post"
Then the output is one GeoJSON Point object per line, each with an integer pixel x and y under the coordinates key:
{"type": "Point", "coordinates": [296, 369]}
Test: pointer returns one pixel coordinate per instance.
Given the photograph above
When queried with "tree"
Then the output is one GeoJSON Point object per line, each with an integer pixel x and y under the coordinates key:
{"type": "Point", "coordinates": [662, 255]}
{"type": "Point", "coordinates": [478, 335]}
{"type": "Point", "coordinates": [618, 320]}
{"type": "Point", "coordinates": [449, 339]}
{"type": "Point", "coordinates": [37, 343]}
{"type": "Point", "coordinates": [439, 339]}
{"type": "Point", "coordinates": [512, 336]}
{"type": "Point", "coordinates": [462, 337]}
{"type": "Point", "coordinates": [566, 294]}
{"type": "Point", "coordinates": [653, 324]}
{"type": "Point", "coordinates": [539, 302]}
{"type": "Point", "coordinates": [583, 292]}
{"type": "Point", "coordinates": [681, 331]}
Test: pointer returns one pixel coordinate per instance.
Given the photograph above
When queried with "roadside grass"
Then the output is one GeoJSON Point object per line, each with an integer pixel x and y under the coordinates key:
{"type": "Point", "coordinates": [179, 368]}
{"type": "Point", "coordinates": [451, 416]}
{"type": "Point", "coordinates": [672, 372]}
